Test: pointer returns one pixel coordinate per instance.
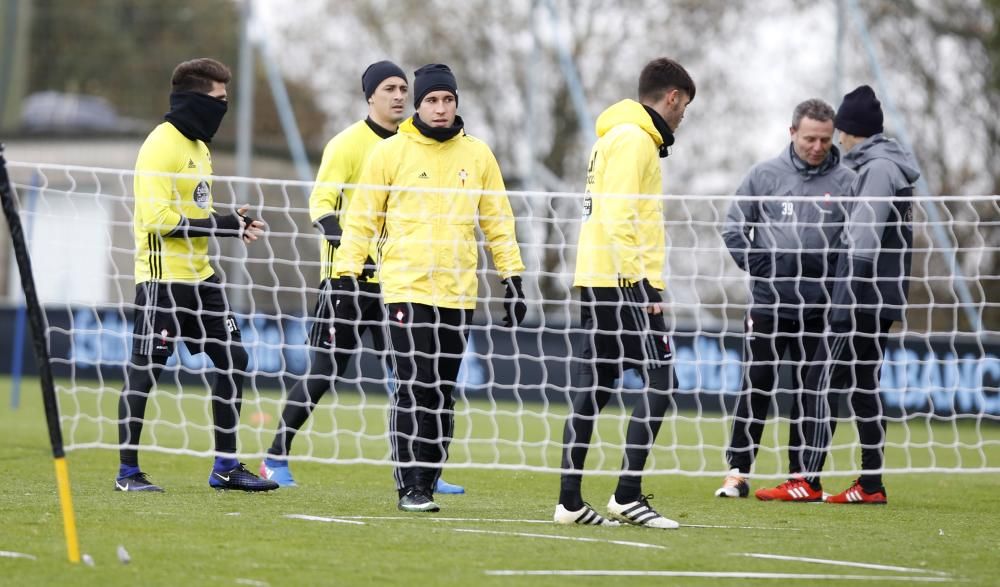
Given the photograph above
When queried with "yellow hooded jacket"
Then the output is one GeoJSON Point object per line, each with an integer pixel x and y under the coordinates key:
{"type": "Point", "coordinates": [622, 239]}
{"type": "Point", "coordinates": [428, 252]}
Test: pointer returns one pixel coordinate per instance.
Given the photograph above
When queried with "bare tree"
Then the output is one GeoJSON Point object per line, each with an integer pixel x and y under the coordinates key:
{"type": "Point", "coordinates": [941, 64]}
{"type": "Point", "coordinates": [514, 93]}
{"type": "Point", "coordinates": [940, 60]}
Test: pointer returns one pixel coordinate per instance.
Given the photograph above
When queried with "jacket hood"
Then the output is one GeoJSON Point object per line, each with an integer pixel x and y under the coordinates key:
{"type": "Point", "coordinates": [881, 147]}
{"type": "Point", "coordinates": [627, 112]}
{"type": "Point", "coordinates": [831, 162]}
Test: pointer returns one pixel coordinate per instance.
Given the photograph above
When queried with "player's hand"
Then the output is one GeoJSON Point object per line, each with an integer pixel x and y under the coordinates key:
{"type": "Point", "coordinates": [513, 302]}
{"type": "Point", "coordinates": [347, 307]}
{"type": "Point", "coordinates": [650, 296]}
{"type": "Point", "coordinates": [250, 229]}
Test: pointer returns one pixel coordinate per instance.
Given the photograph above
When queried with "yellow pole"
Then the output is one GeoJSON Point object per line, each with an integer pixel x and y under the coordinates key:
{"type": "Point", "coordinates": [66, 503]}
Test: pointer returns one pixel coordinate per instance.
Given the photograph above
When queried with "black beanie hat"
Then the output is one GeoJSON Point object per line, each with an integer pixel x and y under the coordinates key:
{"type": "Point", "coordinates": [377, 73]}
{"type": "Point", "coordinates": [860, 114]}
{"type": "Point", "coordinates": [431, 77]}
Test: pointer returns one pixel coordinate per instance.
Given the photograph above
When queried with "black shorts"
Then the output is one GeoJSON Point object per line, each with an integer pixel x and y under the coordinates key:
{"type": "Point", "coordinates": [322, 333]}
{"type": "Point", "coordinates": [166, 312]}
{"type": "Point", "coordinates": [618, 332]}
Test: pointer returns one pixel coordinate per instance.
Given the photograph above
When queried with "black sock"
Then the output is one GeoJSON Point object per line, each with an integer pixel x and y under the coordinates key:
{"type": "Point", "coordinates": [629, 489]}
{"type": "Point", "coordinates": [871, 483]}
{"type": "Point", "coordinates": [230, 362]}
{"type": "Point", "coordinates": [592, 392]}
{"type": "Point", "coordinates": [644, 424]}
{"type": "Point", "coordinates": [571, 499]}
{"type": "Point", "coordinates": [301, 402]}
{"type": "Point", "coordinates": [139, 380]}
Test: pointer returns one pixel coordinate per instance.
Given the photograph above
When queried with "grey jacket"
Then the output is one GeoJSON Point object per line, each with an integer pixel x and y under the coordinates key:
{"type": "Point", "coordinates": [789, 245]}
{"type": "Point", "coordinates": [873, 271]}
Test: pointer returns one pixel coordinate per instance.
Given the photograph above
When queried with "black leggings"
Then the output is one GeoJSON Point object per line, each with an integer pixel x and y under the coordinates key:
{"type": "Point", "coordinates": [230, 360]}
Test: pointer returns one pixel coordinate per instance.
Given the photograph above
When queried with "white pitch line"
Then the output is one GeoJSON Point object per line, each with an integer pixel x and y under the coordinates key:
{"type": "Point", "coordinates": [253, 582]}
{"type": "Point", "coordinates": [322, 519]}
{"type": "Point", "coordinates": [496, 520]}
{"type": "Point", "coordinates": [739, 527]}
{"type": "Point", "coordinates": [555, 537]}
{"type": "Point", "coordinates": [720, 575]}
{"type": "Point", "coordinates": [10, 554]}
{"type": "Point", "coordinates": [510, 521]}
{"type": "Point", "coordinates": [836, 563]}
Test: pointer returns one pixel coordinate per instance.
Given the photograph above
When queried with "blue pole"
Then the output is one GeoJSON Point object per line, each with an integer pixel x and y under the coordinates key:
{"type": "Point", "coordinates": [20, 319]}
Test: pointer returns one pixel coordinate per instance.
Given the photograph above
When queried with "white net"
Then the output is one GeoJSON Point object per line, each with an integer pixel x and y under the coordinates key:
{"type": "Point", "coordinates": [939, 382]}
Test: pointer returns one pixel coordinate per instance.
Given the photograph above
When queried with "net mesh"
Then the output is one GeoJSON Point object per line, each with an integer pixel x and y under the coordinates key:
{"type": "Point", "coordinates": [939, 382]}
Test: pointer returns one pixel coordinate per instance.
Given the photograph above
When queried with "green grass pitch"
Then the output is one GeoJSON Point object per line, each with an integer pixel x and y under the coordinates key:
{"type": "Point", "coordinates": [938, 528]}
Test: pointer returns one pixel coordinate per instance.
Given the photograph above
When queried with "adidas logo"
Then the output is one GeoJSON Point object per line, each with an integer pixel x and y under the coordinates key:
{"type": "Point", "coordinates": [423, 175]}
{"type": "Point", "coordinates": [798, 492]}
{"type": "Point", "coordinates": [191, 164]}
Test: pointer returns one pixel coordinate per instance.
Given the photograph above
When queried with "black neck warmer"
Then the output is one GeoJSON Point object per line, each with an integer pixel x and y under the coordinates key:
{"type": "Point", "coordinates": [440, 134]}
{"type": "Point", "coordinates": [663, 128]}
{"type": "Point", "coordinates": [196, 115]}
{"type": "Point", "coordinates": [381, 131]}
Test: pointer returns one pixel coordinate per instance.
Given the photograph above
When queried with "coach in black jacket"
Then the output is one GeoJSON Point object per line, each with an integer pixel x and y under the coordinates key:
{"type": "Point", "coordinates": [869, 294]}
{"type": "Point", "coordinates": [788, 245]}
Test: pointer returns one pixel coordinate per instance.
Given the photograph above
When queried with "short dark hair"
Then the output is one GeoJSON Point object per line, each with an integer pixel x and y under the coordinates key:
{"type": "Point", "coordinates": [662, 75]}
{"type": "Point", "coordinates": [197, 75]}
{"type": "Point", "coordinates": [813, 108]}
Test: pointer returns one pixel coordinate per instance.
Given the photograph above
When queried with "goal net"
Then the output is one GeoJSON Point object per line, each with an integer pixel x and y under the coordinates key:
{"type": "Point", "coordinates": [938, 384]}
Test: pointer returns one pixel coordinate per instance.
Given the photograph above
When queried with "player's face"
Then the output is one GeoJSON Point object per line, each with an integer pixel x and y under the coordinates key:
{"type": "Point", "coordinates": [812, 140]}
{"type": "Point", "coordinates": [438, 109]}
{"type": "Point", "coordinates": [218, 91]}
{"type": "Point", "coordinates": [676, 106]}
{"type": "Point", "coordinates": [388, 102]}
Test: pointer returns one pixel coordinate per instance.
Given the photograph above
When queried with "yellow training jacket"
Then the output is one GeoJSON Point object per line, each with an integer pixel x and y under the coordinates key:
{"type": "Point", "coordinates": [428, 252]}
{"type": "Point", "coordinates": [622, 238]}
{"type": "Point", "coordinates": [343, 159]}
{"type": "Point", "coordinates": [160, 202]}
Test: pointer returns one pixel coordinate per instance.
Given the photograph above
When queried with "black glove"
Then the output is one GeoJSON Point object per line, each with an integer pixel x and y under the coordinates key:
{"type": "Point", "coordinates": [368, 271]}
{"type": "Point", "coordinates": [329, 225]}
{"type": "Point", "coordinates": [513, 301]}
{"type": "Point", "coordinates": [650, 293]}
{"type": "Point", "coordinates": [346, 308]}
{"type": "Point", "coordinates": [644, 294]}
{"type": "Point", "coordinates": [246, 219]}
